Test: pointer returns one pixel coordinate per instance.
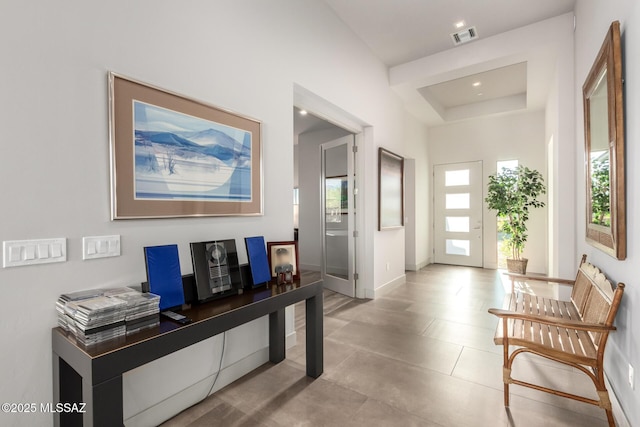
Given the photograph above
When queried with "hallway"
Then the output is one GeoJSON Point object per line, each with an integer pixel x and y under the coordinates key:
{"type": "Point", "coordinates": [422, 355]}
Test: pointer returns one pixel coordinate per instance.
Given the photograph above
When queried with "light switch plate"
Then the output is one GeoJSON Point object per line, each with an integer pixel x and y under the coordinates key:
{"type": "Point", "coordinates": [18, 253]}
{"type": "Point", "coordinates": [100, 247]}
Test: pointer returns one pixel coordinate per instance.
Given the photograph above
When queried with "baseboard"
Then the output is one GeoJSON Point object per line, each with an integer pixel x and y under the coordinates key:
{"type": "Point", "coordinates": [291, 340]}
{"type": "Point", "coordinates": [384, 289]}
{"type": "Point", "coordinates": [310, 267]}
{"type": "Point", "coordinates": [416, 267]}
{"type": "Point", "coordinates": [618, 413]}
{"type": "Point", "coordinates": [193, 394]}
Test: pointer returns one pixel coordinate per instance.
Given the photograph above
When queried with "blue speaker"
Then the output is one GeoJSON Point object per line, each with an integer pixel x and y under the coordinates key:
{"type": "Point", "coordinates": [164, 276]}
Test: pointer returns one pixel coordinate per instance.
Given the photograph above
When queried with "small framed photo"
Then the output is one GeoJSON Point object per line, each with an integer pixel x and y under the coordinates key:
{"type": "Point", "coordinates": [283, 261]}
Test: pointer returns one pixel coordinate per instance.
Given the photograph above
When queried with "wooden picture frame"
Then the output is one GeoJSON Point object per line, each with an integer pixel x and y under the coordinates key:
{"type": "Point", "coordinates": [174, 156]}
{"type": "Point", "coordinates": [606, 227]}
{"type": "Point", "coordinates": [390, 190]}
{"type": "Point", "coordinates": [276, 259]}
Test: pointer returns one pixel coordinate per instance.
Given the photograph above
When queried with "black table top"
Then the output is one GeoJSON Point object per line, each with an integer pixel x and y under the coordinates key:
{"type": "Point", "coordinates": [197, 313]}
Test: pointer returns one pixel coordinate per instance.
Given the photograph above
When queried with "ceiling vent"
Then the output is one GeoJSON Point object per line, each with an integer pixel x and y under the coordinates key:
{"type": "Point", "coordinates": [464, 36]}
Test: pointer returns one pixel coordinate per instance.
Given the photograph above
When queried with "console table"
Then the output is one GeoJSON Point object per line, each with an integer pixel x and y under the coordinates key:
{"type": "Point", "coordinates": [93, 375]}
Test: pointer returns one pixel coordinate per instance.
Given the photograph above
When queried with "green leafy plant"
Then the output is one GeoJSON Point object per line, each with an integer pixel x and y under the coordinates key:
{"type": "Point", "coordinates": [600, 197]}
{"type": "Point", "coordinates": [511, 193]}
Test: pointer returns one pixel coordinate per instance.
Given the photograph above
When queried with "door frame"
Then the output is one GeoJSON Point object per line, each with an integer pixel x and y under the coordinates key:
{"type": "Point", "coordinates": [320, 107]}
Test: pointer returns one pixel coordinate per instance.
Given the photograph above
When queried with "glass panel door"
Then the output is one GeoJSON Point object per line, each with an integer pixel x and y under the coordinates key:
{"type": "Point", "coordinates": [458, 214]}
{"type": "Point", "coordinates": [338, 210]}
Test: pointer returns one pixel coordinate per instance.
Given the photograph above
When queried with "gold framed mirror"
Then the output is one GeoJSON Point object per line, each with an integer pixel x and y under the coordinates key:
{"type": "Point", "coordinates": [604, 149]}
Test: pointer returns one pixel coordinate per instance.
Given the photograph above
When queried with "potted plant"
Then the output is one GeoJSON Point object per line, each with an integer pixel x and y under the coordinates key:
{"type": "Point", "coordinates": [511, 193]}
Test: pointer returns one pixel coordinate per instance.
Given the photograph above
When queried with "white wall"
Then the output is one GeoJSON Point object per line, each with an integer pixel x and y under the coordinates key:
{"type": "Point", "coordinates": [518, 136]}
{"type": "Point", "coordinates": [410, 217]}
{"type": "Point", "coordinates": [310, 232]}
{"type": "Point", "coordinates": [551, 125]}
{"type": "Point", "coordinates": [593, 21]}
{"type": "Point", "coordinates": [296, 165]}
{"type": "Point", "coordinates": [417, 190]}
{"type": "Point", "coordinates": [560, 137]}
{"type": "Point", "coordinates": [242, 55]}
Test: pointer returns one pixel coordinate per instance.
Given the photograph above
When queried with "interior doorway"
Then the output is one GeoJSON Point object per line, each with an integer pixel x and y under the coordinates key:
{"type": "Point", "coordinates": [324, 200]}
{"type": "Point", "coordinates": [458, 222]}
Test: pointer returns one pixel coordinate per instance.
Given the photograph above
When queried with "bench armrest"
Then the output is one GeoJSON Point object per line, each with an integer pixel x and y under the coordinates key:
{"type": "Point", "coordinates": [553, 321]}
{"type": "Point", "coordinates": [516, 276]}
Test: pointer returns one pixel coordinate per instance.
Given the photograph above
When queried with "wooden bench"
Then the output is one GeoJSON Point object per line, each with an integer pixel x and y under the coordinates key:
{"type": "Point", "coordinates": [571, 332]}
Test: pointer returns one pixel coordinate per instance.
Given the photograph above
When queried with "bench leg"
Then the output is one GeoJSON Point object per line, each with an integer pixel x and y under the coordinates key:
{"type": "Point", "coordinates": [506, 373]}
{"type": "Point", "coordinates": [610, 418]}
{"type": "Point", "coordinates": [603, 396]}
{"type": "Point", "coordinates": [506, 364]}
{"type": "Point", "coordinates": [506, 395]}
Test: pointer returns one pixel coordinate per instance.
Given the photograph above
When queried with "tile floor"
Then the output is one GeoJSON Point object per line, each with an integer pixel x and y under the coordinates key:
{"type": "Point", "coordinates": [422, 355]}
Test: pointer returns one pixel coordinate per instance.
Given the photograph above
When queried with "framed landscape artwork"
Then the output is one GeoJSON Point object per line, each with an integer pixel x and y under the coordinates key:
{"type": "Point", "coordinates": [172, 156]}
{"type": "Point", "coordinates": [390, 190]}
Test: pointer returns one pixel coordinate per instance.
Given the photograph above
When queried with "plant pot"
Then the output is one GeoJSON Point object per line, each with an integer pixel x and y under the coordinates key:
{"type": "Point", "coordinates": [518, 266]}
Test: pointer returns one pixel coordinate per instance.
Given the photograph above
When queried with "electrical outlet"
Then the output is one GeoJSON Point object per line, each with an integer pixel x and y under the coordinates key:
{"type": "Point", "coordinates": [630, 376]}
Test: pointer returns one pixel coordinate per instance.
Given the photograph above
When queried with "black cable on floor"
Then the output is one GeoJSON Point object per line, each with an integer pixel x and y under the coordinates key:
{"type": "Point", "coordinates": [215, 380]}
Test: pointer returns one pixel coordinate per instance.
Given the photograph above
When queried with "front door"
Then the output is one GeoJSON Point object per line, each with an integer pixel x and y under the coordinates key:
{"type": "Point", "coordinates": [338, 215]}
{"type": "Point", "coordinates": [458, 214]}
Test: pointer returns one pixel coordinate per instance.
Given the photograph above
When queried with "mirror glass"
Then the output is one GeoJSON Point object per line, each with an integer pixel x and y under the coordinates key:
{"type": "Point", "coordinates": [599, 153]}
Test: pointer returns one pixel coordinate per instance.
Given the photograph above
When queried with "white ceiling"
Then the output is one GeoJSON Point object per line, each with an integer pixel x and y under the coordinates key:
{"type": "Point", "coordinates": [308, 123]}
{"type": "Point", "coordinates": [491, 85]}
{"type": "Point", "coordinates": [399, 31]}
{"type": "Point", "coordinates": [406, 34]}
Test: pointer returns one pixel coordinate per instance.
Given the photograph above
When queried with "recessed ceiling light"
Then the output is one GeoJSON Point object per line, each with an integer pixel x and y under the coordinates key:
{"type": "Point", "coordinates": [303, 112]}
{"type": "Point", "coordinates": [459, 24]}
{"type": "Point", "coordinates": [480, 94]}
{"type": "Point", "coordinates": [476, 84]}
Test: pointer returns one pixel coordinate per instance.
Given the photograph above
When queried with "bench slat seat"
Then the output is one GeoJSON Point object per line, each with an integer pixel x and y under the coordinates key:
{"type": "Point", "coordinates": [565, 343]}
{"type": "Point", "coordinates": [572, 332]}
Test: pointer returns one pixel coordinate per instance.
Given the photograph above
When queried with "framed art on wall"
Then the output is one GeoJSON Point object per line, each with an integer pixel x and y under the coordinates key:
{"type": "Point", "coordinates": [173, 156]}
{"type": "Point", "coordinates": [390, 190]}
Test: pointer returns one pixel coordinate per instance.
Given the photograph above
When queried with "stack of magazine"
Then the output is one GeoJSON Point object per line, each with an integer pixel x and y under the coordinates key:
{"type": "Point", "coordinates": [142, 308]}
{"type": "Point", "coordinates": [99, 315]}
